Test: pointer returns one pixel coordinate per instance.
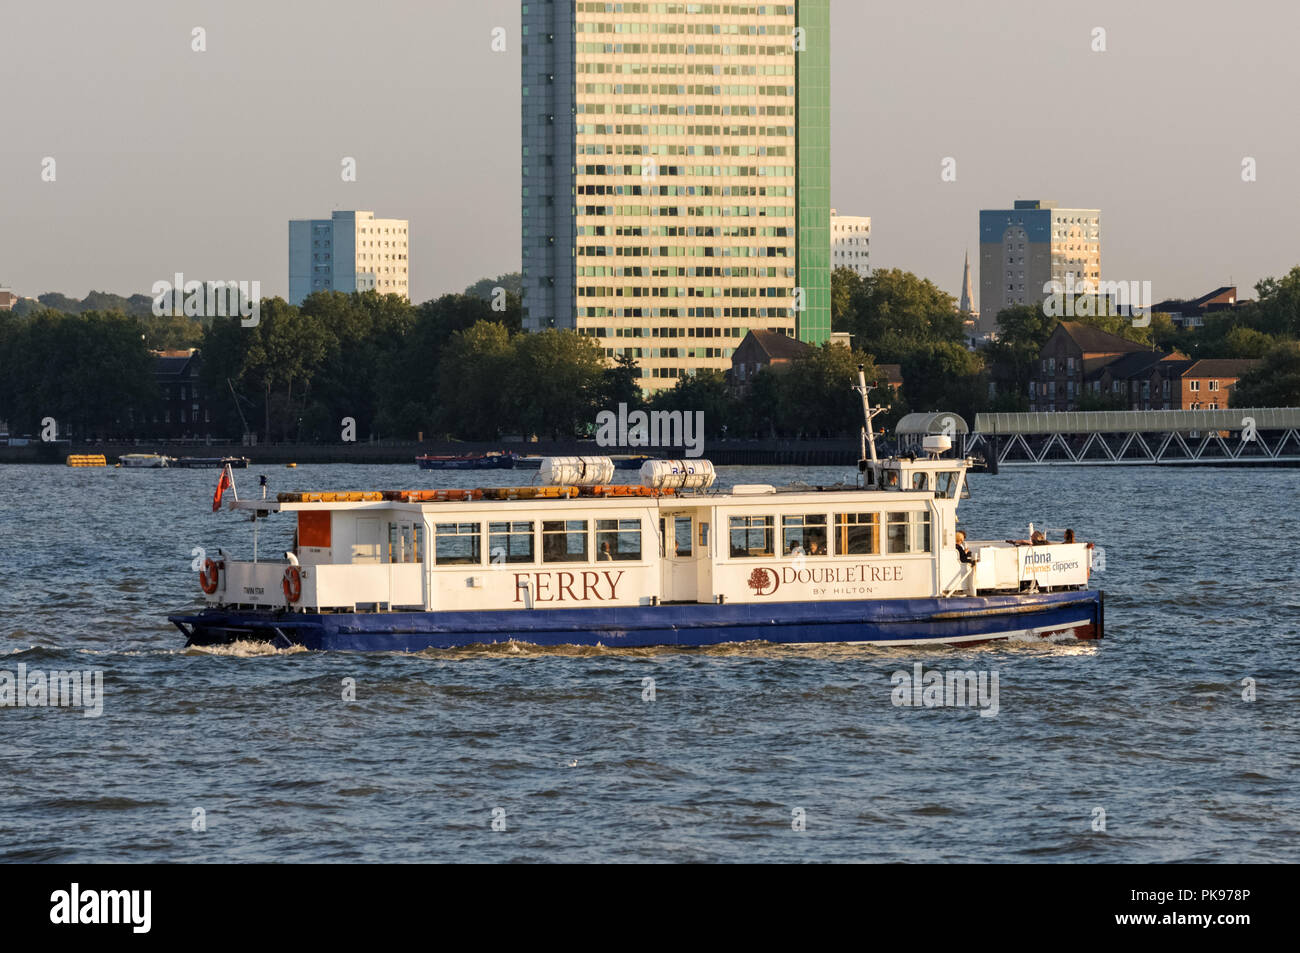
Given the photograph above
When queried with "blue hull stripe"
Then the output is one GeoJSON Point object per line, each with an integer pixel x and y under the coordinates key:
{"type": "Point", "coordinates": [900, 620]}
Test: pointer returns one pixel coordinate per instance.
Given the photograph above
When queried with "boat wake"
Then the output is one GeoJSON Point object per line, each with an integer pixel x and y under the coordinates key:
{"type": "Point", "coordinates": [243, 649]}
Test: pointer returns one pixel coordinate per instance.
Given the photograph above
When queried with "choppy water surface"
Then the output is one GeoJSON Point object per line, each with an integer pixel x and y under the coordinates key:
{"type": "Point", "coordinates": [1148, 725]}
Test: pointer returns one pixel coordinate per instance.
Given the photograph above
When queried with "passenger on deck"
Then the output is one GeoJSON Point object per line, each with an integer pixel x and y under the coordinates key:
{"type": "Point", "coordinates": [962, 552]}
{"type": "Point", "coordinates": [1069, 535]}
{"type": "Point", "coordinates": [1038, 539]}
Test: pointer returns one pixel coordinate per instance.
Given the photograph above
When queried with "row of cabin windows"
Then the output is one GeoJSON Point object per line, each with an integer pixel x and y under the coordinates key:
{"type": "Point", "coordinates": [852, 534]}
{"type": "Point", "coordinates": [562, 541]}
{"type": "Point", "coordinates": [945, 482]}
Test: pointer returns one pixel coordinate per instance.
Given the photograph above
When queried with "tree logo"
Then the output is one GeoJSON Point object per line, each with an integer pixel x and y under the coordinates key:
{"type": "Point", "coordinates": [764, 581]}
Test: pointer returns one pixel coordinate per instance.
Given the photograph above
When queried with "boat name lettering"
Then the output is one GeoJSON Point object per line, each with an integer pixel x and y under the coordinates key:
{"type": "Point", "coordinates": [765, 581]}
{"type": "Point", "coordinates": [254, 590]}
{"type": "Point", "coordinates": [829, 574]}
{"type": "Point", "coordinates": [565, 589]}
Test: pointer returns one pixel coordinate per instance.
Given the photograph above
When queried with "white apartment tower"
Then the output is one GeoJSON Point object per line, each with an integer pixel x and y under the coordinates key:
{"type": "Point", "coordinates": [349, 251]}
{"type": "Point", "coordinates": [851, 242]}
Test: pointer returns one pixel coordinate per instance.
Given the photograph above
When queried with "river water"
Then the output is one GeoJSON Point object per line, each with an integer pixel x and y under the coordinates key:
{"type": "Point", "coordinates": [1173, 739]}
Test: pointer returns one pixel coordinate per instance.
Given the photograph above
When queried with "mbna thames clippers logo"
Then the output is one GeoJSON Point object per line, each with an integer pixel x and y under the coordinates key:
{"type": "Point", "coordinates": [764, 581]}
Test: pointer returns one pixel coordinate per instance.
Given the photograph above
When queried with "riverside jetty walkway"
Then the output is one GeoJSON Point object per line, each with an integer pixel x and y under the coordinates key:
{"type": "Point", "coordinates": [1236, 436]}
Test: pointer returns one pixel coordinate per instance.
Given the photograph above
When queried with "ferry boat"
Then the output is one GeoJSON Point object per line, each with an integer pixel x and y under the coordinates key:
{"type": "Point", "coordinates": [483, 461]}
{"type": "Point", "coordinates": [671, 561]}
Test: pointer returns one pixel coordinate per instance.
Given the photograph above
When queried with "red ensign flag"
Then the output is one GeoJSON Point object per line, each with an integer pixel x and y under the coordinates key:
{"type": "Point", "coordinates": [225, 482]}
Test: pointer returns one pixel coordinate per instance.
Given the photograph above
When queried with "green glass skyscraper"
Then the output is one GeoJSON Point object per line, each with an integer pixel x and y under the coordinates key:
{"type": "Point", "coordinates": [813, 167]}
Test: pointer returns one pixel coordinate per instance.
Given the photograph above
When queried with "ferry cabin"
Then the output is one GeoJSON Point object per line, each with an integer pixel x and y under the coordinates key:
{"type": "Point", "coordinates": [361, 552]}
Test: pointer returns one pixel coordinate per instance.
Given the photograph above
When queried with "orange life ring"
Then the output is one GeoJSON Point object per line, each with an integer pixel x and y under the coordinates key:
{"type": "Point", "coordinates": [209, 576]}
{"type": "Point", "coordinates": [292, 584]}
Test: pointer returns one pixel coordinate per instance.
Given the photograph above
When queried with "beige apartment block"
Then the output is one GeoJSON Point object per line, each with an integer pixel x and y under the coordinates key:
{"type": "Point", "coordinates": [661, 212]}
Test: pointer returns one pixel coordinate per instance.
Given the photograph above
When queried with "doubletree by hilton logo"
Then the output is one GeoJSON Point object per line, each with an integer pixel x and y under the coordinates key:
{"type": "Point", "coordinates": [764, 581]}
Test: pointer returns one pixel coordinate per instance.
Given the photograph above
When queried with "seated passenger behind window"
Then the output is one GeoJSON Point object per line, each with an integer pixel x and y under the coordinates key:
{"type": "Point", "coordinates": [813, 548]}
{"type": "Point", "coordinates": [795, 549]}
{"type": "Point", "coordinates": [604, 552]}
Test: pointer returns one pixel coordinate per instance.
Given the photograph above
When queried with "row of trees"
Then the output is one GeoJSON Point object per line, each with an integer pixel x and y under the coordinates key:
{"type": "Point", "coordinates": [452, 367]}
{"type": "Point", "coordinates": [460, 366]}
{"type": "Point", "coordinates": [455, 367]}
{"type": "Point", "coordinates": [909, 321]}
{"type": "Point", "coordinates": [90, 372]}
{"type": "Point", "coordinates": [138, 305]}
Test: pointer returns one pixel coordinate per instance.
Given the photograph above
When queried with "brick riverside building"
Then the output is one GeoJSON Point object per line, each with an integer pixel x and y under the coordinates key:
{"type": "Point", "coordinates": [1082, 361]}
{"type": "Point", "coordinates": [1072, 356]}
{"type": "Point", "coordinates": [182, 410]}
{"type": "Point", "coordinates": [763, 349]}
{"type": "Point", "coordinates": [1206, 384]}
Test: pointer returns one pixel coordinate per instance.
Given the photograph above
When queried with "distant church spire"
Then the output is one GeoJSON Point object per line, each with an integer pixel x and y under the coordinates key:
{"type": "Point", "coordinates": [967, 306]}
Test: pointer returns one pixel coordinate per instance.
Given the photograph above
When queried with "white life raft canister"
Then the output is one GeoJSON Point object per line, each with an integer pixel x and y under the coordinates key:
{"type": "Point", "coordinates": [678, 474]}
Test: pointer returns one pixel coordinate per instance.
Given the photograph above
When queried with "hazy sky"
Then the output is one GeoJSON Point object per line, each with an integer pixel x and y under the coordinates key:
{"type": "Point", "coordinates": [172, 160]}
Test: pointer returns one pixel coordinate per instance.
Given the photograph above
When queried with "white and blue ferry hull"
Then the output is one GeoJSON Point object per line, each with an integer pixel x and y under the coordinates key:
{"type": "Point", "coordinates": [959, 620]}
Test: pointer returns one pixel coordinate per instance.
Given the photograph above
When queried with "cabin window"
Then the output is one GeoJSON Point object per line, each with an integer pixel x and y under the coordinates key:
{"type": "Point", "coordinates": [857, 534]}
{"type": "Point", "coordinates": [803, 535]}
{"type": "Point", "coordinates": [920, 481]}
{"type": "Point", "coordinates": [618, 539]}
{"type": "Point", "coordinates": [510, 542]}
{"type": "Point", "coordinates": [564, 541]}
{"type": "Point", "coordinates": [404, 543]}
{"type": "Point", "coordinates": [908, 532]}
{"type": "Point", "coordinates": [891, 479]}
{"type": "Point", "coordinates": [945, 483]}
{"type": "Point", "coordinates": [681, 537]}
{"type": "Point", "coordinates": [752, 535]}
{"type": "Point", "coordinates": [921, 532]}
{"type": "Point", "coordinates": [457, 544]}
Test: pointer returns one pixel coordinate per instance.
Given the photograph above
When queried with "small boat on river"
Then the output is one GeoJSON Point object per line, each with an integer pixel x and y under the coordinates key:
{"type": "Point", "coordinates": [210, 463]}
{"type": "Point", "coordinates": [143, 461]}
{"type": "Point", "coordinates": [482, 461]}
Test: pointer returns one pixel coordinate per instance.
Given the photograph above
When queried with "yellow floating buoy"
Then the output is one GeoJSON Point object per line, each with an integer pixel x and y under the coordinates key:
{"type": "Point", "coordinates": [87, 460]}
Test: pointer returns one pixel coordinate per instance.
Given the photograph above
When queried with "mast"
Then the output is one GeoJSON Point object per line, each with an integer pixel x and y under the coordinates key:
{"type": "Point", "coordinates": [868, 434]}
